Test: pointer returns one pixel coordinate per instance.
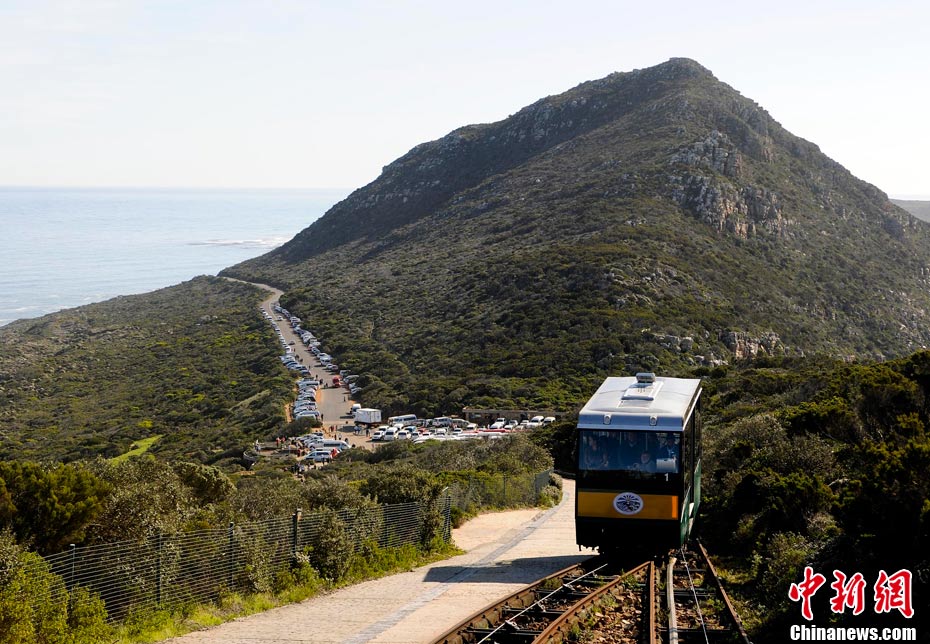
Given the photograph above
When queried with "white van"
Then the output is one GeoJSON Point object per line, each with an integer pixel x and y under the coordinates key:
{"type": "Point", "coordinates": [390, 434]}
{"type": "Point", "coordinates": [330, 443]}
{"type": "Point", "coordinates": [407, 419]}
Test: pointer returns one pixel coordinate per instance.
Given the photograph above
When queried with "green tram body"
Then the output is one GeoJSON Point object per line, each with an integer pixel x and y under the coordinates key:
{"type": "Point", "coordinates": [639, 464]}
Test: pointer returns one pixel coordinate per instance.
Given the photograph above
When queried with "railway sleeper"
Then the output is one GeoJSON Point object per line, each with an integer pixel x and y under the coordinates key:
{"type": "Point", "coordinates": [503, 636]}
{"type": "Point", "coordinates": [561, 594]}
{"type": "Point", "coordinates": [534, 612]}
{"type": "Point", "coordinates": [710, 635]}
{"type": "Point", "coordinates": [688, 593]}
{"type": "Point", "coordinates": [694, 570]}
{"type": "Point", "coordinates": [701, 635]}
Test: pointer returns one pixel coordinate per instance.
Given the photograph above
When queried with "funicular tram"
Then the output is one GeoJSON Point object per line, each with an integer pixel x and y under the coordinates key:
{"type": "Point", "coordinates": [639, 464]}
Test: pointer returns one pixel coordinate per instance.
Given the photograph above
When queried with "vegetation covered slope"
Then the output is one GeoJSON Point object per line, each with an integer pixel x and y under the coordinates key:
{"type": "Point", "coordinates": [649, 220]}
{"type": "Point", "coordinates": [821, 464]}
{"type": "Point", "coordinates": [194, 364]}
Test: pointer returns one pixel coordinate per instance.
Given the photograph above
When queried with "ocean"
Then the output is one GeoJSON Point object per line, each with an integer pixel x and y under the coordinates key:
{"type": "Point", "coordinates": [62, 247]}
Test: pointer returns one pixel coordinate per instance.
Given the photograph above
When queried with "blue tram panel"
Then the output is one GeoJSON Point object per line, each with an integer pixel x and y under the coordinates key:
{"type": "Point", "coordinates": [639, 463]}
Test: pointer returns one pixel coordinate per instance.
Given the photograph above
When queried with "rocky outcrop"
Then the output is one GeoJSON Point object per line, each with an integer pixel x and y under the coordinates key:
{"type": "Point", "coordinates": [681, 344]}
{"type": "Point", "coordinates": [743, 345]}
{"type": "Point", "coordinates": [715, 152]}
{"type": "Point", "coordinates": [744, 212]}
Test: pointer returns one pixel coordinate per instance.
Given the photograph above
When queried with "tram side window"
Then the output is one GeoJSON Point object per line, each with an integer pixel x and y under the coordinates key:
{"type": "Point", "coordinates": [688, 451]}
{"type": "Point", "coordinates": [698, 443]}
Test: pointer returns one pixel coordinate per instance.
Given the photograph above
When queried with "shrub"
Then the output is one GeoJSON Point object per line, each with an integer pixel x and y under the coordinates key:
{"type": "Point", "coordinates": [330, 554]}
{"type": "Point", "coordinates": [87, 617]}
{"type": "Point", "coordinates": [550, 496]}
{"type": "Point", "coordinates": [779, 564]}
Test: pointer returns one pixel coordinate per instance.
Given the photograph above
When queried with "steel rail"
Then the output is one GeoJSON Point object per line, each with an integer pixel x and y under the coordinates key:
{"type": "Point", "coordinates": [704, 633]}
{"type": "Point", "coordinates": [498, 622]}
{"type": "Point", "coordinates": [558, 631]}
{"type": "Point", "coordinates": [494, 613]}
{"type": "Point", "coordinates": [670, 601]}
{"type": "Point", "coordinates": [541, 601]}
{"type": "Point", "coordinates": [723, 594]}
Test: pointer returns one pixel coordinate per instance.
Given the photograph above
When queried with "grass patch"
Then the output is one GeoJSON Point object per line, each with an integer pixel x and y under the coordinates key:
{"type": "Point", "coordinates": [138, 448]}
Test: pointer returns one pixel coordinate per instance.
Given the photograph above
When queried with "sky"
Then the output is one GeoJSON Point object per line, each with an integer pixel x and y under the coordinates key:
{"type": "Point", "coordinates": [323, 94]}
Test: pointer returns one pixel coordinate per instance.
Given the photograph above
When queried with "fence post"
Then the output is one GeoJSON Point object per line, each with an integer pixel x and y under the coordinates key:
{"type": "Point", "coordinates": [73, 550]}
{"type": "Point", "coordinates": [447, 515]}
{"type": "Point", "coordinates": [295, 533]}
{"type": "Point", "coordinates": [158, 584]}
{"type": "Point", "coordinates": [232, 555]}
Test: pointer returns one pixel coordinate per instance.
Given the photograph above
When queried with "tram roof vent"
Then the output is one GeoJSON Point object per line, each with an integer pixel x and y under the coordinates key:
{"type": "Point", "coordinates": [645, 388]}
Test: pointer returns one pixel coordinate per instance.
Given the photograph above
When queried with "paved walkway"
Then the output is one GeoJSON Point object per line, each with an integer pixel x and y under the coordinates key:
{"type": "Point", "coordinates": [505, 551]}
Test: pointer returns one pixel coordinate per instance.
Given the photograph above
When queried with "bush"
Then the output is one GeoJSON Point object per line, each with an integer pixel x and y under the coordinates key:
{"type": "Point", "coordinates": [35, 607]}
{"type": "Point", "coordinates": [87, 618]}
{"type": "Point", "coordinates": [550, 496]}
{"type": "Point", "coordinates": [780, 564]}
{"type": "Point", "coordinates": [332, 550]}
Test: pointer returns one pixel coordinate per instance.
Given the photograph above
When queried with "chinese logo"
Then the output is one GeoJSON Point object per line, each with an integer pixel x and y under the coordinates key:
{"type": "Point", "coordinates": [889, 593]}
{"type": "Point", "coordinates": [628, 503]}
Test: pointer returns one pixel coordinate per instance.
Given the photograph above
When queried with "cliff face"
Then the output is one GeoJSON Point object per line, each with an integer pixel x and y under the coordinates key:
{"type": "Point", "coordinates": [651, 219]}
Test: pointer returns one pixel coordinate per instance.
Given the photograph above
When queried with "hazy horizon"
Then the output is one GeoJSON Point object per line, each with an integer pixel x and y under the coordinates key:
{"type": "Point", "coordinates": [239, 94]}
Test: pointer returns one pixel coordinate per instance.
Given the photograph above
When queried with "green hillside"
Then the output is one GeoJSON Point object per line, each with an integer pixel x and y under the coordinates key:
{"type": "Point", "coordinates": [654, 219]}
{"type": "Point", "coordinates": [194, 364]}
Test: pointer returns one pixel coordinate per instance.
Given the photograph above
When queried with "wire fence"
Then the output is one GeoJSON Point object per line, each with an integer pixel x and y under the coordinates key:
{"type": "Point", "coordinates": [168, 571]}
{"type": "Point", "coordinates": [498, 491]}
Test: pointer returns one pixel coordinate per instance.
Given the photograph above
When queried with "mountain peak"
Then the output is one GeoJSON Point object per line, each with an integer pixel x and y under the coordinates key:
{"type": "Point", "coordinates": [683, 67]}
{"type": "Point", "coordinates": [650, 219]}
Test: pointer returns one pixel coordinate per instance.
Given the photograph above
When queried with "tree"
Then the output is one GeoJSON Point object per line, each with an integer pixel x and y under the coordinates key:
{"type": "Point", "coordinates": [146, 496]}
{"type": "Point", "coordinates": [402, 484]}
{"type": "Point", "coordinates": [49, 508]}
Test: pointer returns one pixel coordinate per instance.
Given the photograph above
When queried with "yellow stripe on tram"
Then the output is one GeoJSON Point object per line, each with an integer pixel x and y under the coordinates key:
{"type": "Point", "coordinates": [627, 505]}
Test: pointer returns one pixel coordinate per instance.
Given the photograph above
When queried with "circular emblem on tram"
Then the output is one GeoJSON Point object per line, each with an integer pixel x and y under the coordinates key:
{"type": "Point", "coordinates": [628, 503]}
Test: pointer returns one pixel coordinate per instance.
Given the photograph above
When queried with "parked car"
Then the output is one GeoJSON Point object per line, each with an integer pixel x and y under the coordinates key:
{"type": "Point", "coordinates": [320, 456]}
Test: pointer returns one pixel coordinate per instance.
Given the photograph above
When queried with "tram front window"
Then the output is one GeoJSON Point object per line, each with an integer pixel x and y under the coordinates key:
{"type": "Point", "coordinates": [615, 451]}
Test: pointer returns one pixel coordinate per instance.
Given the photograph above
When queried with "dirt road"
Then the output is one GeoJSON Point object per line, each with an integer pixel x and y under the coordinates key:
{"type": "Point", "coordinates": [504, 552]}
{"type": "Point", "coordinates": [333, 402]}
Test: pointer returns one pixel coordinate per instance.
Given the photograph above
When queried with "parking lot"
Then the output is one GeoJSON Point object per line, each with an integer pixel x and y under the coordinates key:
{"type": "Point", "coordinates": [333, 403]}
{"type": "Point", "coordinates": [325, 393]}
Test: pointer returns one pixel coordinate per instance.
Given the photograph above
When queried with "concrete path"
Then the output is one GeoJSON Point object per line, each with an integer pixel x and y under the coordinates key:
{"type": "Point", "coordinates": [505, 551]}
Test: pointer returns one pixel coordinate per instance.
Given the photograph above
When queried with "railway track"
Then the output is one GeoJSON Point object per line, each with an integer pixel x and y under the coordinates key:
{"type": "Point", "coordinates": [554, 608]}
{"type": "Point", "coordinates": [597, 600]}
{"type": "Point", "coordinates": [697, 606]}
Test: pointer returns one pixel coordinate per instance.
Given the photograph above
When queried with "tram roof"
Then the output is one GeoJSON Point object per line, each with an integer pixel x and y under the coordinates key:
{"type": "Point", "coordinates": [626, 403]}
